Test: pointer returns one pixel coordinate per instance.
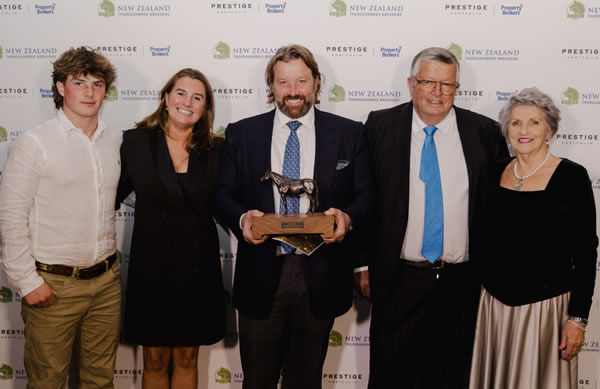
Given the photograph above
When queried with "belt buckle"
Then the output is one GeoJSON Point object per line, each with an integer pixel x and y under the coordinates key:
{"type": "Point", "coordinates": [75, 274]}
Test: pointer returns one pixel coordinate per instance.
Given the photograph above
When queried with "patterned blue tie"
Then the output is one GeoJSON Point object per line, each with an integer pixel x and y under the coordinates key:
{"type": "Point", "coordinates": [433, 231]}
{"type": "Point", "coordinates": [291, 169]}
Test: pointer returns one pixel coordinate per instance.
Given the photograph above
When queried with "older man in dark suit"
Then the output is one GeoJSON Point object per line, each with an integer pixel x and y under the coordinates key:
{"type": "Point", "coordinates": [287, 301]}
{"type": "Point", "coordinates": [430, 161]}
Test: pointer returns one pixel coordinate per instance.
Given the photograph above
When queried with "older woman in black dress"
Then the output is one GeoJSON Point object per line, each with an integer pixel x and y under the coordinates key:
{"type": "Point", "coordinates": [540, 265]}
{"type": "Point", "coordinates": [175, 298]}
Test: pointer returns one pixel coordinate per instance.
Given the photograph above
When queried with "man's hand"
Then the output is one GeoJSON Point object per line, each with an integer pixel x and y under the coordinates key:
{"type": "Point", "coordinates": [361, 281]}
{"type": "Point", "coordinates": [247, 226]}
{"type": "Point", "coordinates": [41, 297]}
{"type": "Point", "coordinates": [342, 224]}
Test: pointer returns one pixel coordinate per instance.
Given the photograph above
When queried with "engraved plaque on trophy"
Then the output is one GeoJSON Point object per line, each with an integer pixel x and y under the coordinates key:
{"type": "Point", "coordinates": [290, 224]}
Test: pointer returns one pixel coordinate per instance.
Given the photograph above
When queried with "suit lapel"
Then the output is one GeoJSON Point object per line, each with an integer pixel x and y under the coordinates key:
{"type": "Point", "coordinates": [326, 139]}
{"type": "Point", "coordinates": [260, 142]}
{"type": "Point", "coordinates": [164, 166]}
{"type": "Point", "coordinates": [469, 151]}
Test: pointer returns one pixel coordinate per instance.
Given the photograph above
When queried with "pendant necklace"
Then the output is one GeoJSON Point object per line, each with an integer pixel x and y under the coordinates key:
{"type": "Point", "coordinates": [520, 179]}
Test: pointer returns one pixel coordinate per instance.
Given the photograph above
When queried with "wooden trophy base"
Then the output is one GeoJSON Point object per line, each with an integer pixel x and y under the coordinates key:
{"type": "Point", "coordinates": [276, 224]}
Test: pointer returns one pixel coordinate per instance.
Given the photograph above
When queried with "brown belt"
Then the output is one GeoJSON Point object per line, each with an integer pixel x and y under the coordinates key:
{"type": "Point", "coordinates": [79, 273]}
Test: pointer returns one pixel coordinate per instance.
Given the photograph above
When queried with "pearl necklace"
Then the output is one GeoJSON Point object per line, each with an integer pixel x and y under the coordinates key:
{"type": "Point", "coordinates": [520, 179]}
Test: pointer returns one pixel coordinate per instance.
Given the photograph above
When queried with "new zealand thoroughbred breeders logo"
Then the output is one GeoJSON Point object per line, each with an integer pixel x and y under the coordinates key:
{"type": "Point", "coordinates": [3, 134]}
{"type": "Point", "coordinates": [6, 294]}
{"type": "Point", "coordinates": [1, 52]}
{"type": "Point", "coordinates": [221, 51]}
{"type": "Point", "coordinates": [112, 94]}
{"type": "Point", "coordinates": [570, 96]}
{"type": "Point", "coordinates": [6, 372]}
{"type": "Point", "coordinates": [335, 339]}
{"type": "Point", "coordinates": [337, 94]}
{"type": "Point", "coordinates": [223, 376]}
{"type": "Point", "coordinates": [338, 8]}
{"type": "Point", "coordinates": [220, 130]}
{"type": "Point", "coordinates": [456, 50]}
{"type": "Point", "coordinates": [106, 9]}
{"type": "Point", "coordinates": [576, 10]}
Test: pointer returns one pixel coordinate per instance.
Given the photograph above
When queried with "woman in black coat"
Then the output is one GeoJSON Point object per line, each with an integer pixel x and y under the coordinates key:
{"type": "Point", "coordinates": [175, 298]}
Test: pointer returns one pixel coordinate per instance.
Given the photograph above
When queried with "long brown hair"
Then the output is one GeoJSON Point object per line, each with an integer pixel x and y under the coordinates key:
{"type": "Point", "coordinates": [201, 138]}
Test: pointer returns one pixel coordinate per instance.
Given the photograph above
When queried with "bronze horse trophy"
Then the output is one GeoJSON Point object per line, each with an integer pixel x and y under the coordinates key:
{"type": "Point", "coordinates": [294, 187]}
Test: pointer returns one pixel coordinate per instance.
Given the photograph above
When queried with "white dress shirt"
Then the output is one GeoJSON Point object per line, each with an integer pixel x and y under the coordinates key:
{"type": "Point", "coordinates": [57, 198]}
{"type": "Point", "coordinates": [455, 192]}
{"type": "Point", "coordinates": [307, 138]}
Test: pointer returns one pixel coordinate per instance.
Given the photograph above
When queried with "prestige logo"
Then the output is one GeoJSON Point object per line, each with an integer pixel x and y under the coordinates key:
{"type": "Point", "coordinates": [11, 8]}
{"type": "Point", "coordinates": [234, 93]}
{"type": "Point", "coordinates": [466, 9]}
{"type": "Point", "coordinates": [44, 9]}
{"type": "Point", "coordinates": [342, 378]}
{"type": "Point", "coordinates": [9, 333]}
{"type": "Point", "coordinates": [511, 10]}
{"type": "Point", "coordinates": [336, 93]}
{"type": "Point", "coordinates": [465, 95]}
{"type": "Point", "coordinates": [112, 94]}
{"type": "Point", "coordinates": [581, 53]}
{"type": "Point", "coordinates": [14, 93]}
{"type": "Point", "coordinates": [128, 373]}
{"type": "Point", "coordinates": [231, 7]}
{"type": "Point", "coordinates": [577, 137]}
{"type": "Point", "coordinates": [139, 94]}
{"type": "Point", "coordinates": [119, 50]}
{"type": "Point", "coordinates": [30, 52]}
{"type": "Point", "coordinates": [347, 51]}
{"type": "Point", "coordinates": [3, 138]}
{"type": "Point", "coordinates": [335, 339]}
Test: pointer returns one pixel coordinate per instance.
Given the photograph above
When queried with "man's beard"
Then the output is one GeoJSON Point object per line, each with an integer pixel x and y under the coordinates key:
{"type": "Point", "coordinates": [295, 113]}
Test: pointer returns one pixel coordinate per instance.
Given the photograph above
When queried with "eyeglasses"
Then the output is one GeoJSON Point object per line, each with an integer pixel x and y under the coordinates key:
{"type": "Point", "coordinates": [447, 88]}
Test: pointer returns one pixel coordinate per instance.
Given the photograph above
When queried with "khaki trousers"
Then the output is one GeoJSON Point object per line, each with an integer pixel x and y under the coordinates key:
{"type": "Point", "coordinates": [89, 310]}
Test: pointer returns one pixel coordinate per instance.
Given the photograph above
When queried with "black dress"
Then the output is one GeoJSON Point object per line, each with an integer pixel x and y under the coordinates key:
{"type": "Point", "coordinates": [174, 294]}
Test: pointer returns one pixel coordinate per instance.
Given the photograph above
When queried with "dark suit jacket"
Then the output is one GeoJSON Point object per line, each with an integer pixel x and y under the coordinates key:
{"type": "Point", "coordinates": [175, 290]}
{"type": "Point", "coordinates": [389, 133]}
{"type": "Point", "coordinates": [245, 157]}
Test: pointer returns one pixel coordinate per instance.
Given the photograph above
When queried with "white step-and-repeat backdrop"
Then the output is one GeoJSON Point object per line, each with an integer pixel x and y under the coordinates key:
{"type": "Point", "coordinates": [364, 49]}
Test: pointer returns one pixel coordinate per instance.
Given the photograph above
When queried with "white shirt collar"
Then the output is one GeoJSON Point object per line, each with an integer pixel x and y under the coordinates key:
{"type": "Point", "coordinates": [443, 126]}
{"type": "Point", "coordinates": [281, 120]}
{"type": "Point", "coordinates": [66, 125]}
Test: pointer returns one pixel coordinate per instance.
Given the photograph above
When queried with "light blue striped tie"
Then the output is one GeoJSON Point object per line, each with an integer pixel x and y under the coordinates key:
{"type": "Point", "coordinates": [433, 231]}
{"type": "Point", "coordinates": [291, 169]}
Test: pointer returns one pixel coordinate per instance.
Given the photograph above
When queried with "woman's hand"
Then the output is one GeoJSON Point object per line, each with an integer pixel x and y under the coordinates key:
{"type": "Point", "coordinates": [571, 340]}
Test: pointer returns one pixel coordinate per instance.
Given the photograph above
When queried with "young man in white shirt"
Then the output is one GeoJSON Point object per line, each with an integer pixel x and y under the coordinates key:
{"type": "Point", "coordinates": [57, 229]}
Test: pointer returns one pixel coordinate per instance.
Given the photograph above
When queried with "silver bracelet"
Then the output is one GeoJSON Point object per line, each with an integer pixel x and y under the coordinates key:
{"type": "Point", "coordinates": [576, 324]}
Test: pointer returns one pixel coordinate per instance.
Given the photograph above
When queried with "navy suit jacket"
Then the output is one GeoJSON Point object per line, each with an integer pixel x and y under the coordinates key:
{"type": "Point", "coordinates": [389, 133]}
{"type": "Point", "coordinates": [245, 157]}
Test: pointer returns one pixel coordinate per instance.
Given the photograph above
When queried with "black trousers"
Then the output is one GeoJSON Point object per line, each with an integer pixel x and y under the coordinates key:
{"type": "Point", "coordinates": [422, 337]}
{"type": "Point", "coordinates": [291, 342]}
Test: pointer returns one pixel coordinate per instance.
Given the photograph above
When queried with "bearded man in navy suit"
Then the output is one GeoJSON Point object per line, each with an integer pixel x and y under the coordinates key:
{"type": "Point", "coordinates": [287, 301]}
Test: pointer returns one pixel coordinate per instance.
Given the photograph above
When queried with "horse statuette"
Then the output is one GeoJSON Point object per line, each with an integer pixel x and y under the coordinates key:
{"type": "Point", "coordinates": [292, 187]}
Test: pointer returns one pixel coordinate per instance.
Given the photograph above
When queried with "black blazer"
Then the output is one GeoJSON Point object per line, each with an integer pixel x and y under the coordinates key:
{"type": "Point", "coordinates": [245, 157]}
{"type": "Point", "coordinates": [389, 133]}
{"type": "Point", "coordinates": [175, 269]}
